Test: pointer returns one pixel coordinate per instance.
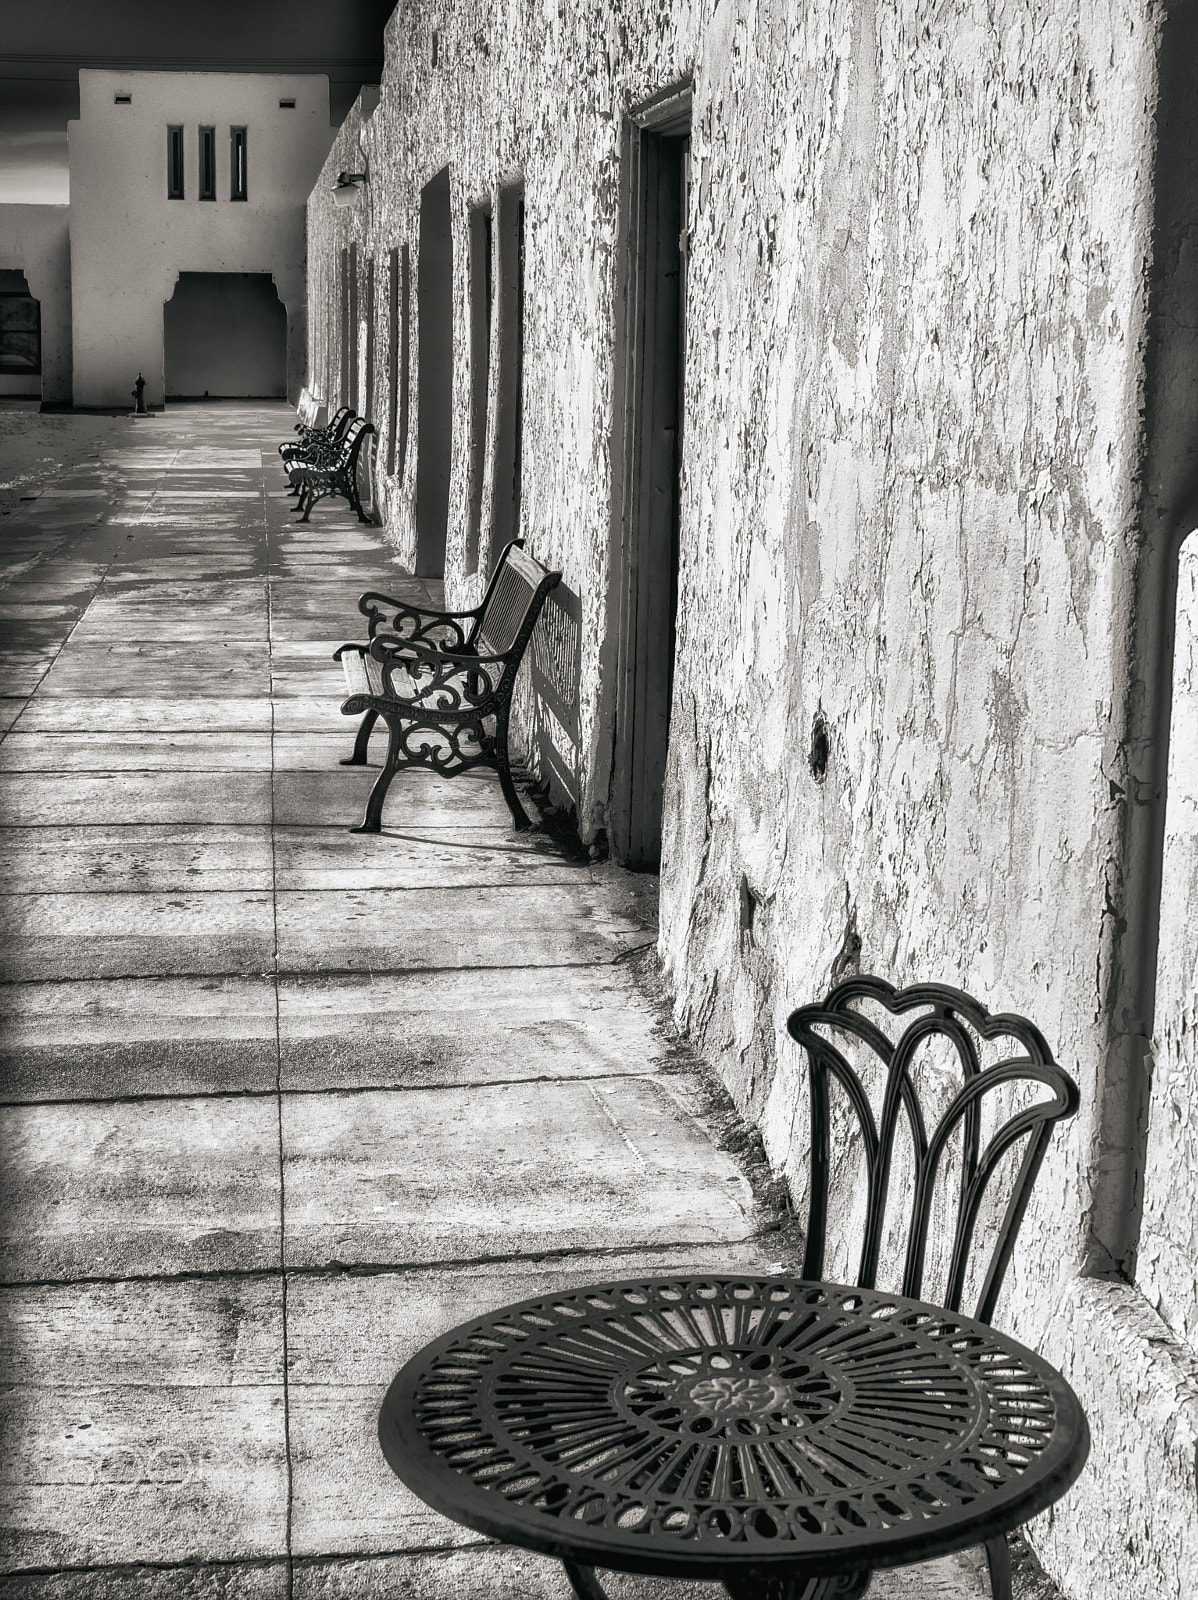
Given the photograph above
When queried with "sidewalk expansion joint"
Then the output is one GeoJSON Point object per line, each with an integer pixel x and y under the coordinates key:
{"type": "Point", "coordinates": [289, 974]}
{"type": "Point", "coordinates": [346, 1090]}
{"type": "Point", "coordinates": [393, 1269]}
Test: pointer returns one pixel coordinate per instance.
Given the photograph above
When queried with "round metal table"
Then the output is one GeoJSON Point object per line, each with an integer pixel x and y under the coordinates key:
{"type": "Point", "coordinates": [784, 1436]}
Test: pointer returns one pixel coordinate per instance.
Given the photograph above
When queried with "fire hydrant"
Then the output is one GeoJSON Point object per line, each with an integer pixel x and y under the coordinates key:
{"type": "Point", "coordinates": [139, 394]}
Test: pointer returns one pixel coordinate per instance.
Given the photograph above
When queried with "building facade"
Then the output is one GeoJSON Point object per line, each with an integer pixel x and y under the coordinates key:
{"type": "Point", "coordinates": [843, 359]}
{"type": "Point", "coordinates": [187, 231]}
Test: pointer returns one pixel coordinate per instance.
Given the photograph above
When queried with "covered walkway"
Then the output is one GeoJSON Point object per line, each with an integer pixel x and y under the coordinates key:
{"type": "Point", "coordinates": [282, 1102]}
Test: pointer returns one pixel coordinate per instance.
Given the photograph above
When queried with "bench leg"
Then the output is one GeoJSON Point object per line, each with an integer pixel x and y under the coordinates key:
{"type": "Point", "coordinates": [519, 816]}
{"type": "Point", "coordinates": [373, 820]}
{"type": "Point", "coordinates": [362, 742]}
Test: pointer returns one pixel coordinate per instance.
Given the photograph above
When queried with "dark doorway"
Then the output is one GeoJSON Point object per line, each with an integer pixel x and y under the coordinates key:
{"type": "Point", "coordinates": [225, 334]}
{"type": "Point", "coordinates": [509, 408]}
{"type": "Point", "coordinates": [397, 358]}
{"type": "Point", "coordinates": [481, 297]}
{"type": "Point", "coordinates": [434, 391]}
{"type": "Point", "coordinates": [647, 569]}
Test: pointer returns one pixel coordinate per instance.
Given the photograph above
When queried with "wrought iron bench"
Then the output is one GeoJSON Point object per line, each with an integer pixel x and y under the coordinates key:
{"type": "Point", "coordinates": [442, 680]}
{"type": "Point", "coordinates": [313, 442]}
{"type": "Point", "coordinates": [334, 472]}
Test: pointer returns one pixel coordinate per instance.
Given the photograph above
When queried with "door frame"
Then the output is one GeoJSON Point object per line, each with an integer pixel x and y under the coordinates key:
{"type": "Point", "coordinates": [633, 822]}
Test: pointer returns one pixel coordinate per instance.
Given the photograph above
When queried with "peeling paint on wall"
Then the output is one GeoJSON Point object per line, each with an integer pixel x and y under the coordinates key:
{"type": "Point", "coordinates": [904, 734]}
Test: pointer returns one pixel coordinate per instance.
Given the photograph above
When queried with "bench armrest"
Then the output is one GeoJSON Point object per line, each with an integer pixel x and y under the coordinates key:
{"type": "Point", "coordinates": [384, 648]}
{"type": "Point", "coordinates": [395, 615]}
{"type": "Point", "coordinates": [423, 680]}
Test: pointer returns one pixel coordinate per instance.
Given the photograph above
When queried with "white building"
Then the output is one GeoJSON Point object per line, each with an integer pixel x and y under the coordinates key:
{"type": "Point", "coordinates": [187, 231]}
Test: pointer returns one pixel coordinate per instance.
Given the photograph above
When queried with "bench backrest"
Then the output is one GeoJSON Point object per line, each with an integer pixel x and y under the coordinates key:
{"type": "Point", "coordinates": [340, 422]}
{"type": "Point", "coordinates": [354, 437]}
{"type": "Point", "coordinates": [513, 602]}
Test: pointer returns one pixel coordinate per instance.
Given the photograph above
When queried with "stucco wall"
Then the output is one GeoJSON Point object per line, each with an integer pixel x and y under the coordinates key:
{"type": "Point", "coordinates": [129, 241]}
{"type": "Point", "coordinates": [925, 471]}
{"type": "Point", "coordinates": [34, 240]}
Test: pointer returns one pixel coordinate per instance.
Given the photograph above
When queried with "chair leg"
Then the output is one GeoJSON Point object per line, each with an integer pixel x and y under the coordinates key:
{"type": "Point", "coordinates": [520, 819]}
{"type": "Point", "coordinates": [583, 1581]}
{"type": "Point", "coordinates": [362, 742]}
{"type": "Point", "coordinates": [998, 1559]}
{"type": "Point", "coordinates": [373, 820]}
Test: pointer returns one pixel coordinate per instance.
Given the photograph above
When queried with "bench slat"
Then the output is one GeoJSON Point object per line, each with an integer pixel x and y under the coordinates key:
{"type": "Point", "coordinates": [363, 675]}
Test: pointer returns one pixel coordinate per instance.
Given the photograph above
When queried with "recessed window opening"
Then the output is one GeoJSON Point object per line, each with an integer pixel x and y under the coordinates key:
{"type": "Point", "coordinates": [207, 164]}
{"type": "Point", "coordinates": [174, 163]}
{"type": "Point", "coordinates": [480, 285]}
{"type": "Point", "coordinates": [238, 179]}
{"type": "Point", "coordinates": [286, 105]}
{"type": "Point", "coordinates": [122, 99]}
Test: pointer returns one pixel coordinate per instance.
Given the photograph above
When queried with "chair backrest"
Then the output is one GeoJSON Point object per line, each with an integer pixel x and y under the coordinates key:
{"type": "Point", "coordinates": [943, 1014]}
{"type": "Point", "coordinates": [512, 603]}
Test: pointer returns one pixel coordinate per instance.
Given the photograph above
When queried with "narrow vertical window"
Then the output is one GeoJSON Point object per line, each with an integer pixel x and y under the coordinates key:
{"type": "Point", "coordinates": [174, 163]}
{"type": "Point", "coordinates": [207, 163]}
{"type": "Point", "coordinates": [239, 188]}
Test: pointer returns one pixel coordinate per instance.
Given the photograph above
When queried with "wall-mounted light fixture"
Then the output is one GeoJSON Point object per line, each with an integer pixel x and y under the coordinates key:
{"type": "Point", "coordinates": [348, 188]}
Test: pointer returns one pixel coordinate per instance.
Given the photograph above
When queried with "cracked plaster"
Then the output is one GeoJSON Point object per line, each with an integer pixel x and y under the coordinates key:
{"type": "Point", "coordinates": [913, 505]}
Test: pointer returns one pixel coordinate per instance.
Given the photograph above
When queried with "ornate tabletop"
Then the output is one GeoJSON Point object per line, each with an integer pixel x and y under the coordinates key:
{"type": "Point", "coordinates": [733, 1428]}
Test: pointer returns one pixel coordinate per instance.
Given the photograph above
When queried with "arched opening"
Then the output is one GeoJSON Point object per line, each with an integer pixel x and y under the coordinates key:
{"type": "Point", "coordinates": [225, 335]}
{"type": "Point", "coordinates": [20, 337]}
{"type": "Point", "coordinates": [434, 394]}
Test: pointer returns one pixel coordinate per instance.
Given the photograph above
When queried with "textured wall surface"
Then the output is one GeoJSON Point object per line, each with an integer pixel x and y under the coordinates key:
{"type": "Point", "coordinates": [916, 511]}
{"type": "Point", "coordinates": [34, 240]}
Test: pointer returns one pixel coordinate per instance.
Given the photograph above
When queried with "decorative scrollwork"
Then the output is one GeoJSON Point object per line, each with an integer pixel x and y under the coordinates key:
{"type": "Point", "coordinates": [427, 682]}
{"type": "Point", "coordinates": [412, 625]}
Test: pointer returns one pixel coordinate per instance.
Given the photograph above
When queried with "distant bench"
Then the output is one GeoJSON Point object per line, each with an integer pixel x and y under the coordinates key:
{"type": "Point", "coordinates": [438, 678]}
{"type": "Point", "coordinates": [329, 466]}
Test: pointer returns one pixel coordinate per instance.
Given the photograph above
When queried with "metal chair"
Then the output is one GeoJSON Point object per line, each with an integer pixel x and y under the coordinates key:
{"type": "Point", "coordinates": [947, 1014]}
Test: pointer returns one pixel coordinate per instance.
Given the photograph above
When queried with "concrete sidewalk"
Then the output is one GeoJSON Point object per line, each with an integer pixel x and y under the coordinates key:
{"type": "Point", "coordinates": [282, 1102]}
